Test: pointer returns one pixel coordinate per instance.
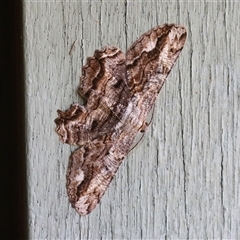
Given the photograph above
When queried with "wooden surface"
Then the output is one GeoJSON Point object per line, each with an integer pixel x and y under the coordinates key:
{"type": "Point", "coordinates": [182, 179]}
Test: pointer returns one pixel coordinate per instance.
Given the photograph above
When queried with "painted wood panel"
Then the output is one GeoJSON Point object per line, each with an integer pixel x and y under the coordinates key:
{"type": "Point", "coordinates": [182, 179]}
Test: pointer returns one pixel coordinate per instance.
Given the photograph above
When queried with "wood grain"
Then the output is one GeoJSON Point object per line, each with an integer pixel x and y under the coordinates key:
{"type": "Point", "coordinates": [182, 180]}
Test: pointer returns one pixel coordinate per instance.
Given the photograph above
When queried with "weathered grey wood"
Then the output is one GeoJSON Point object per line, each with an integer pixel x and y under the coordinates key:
{"type": "Point", "coordinates": [182, 180]}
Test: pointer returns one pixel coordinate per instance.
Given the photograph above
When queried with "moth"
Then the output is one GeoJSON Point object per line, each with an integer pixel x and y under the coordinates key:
{"type": "Point", "coordinates": [120, 90]}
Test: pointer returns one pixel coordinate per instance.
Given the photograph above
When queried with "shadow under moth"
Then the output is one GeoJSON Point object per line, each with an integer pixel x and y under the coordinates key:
{"type": "Point", "coordinates": [120, 90]}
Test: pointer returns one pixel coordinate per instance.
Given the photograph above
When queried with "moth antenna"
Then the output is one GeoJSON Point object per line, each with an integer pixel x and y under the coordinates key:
{"type": "Point", "coordinates": [143, 133]}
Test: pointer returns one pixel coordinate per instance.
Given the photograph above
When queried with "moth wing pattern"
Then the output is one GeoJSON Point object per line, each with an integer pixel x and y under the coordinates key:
{"type": "Point", "coordinates": [120, 92]}
{"type": "Point", "coordinates": [107, 96]}
{"type": "Point", "coordinates": [89, 174]}
{"type": "Point", "coordinates": [150, 60]}
{"type": "Point", "coordinates": [103, 85]}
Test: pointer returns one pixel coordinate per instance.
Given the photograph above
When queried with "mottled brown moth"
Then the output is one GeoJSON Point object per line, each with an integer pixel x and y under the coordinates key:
{"type": "Point", "coordinates": [120, 90]}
